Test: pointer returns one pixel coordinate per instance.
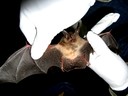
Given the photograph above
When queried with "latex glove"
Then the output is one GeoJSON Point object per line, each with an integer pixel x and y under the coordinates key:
{"type": "Point", "coordinates": [108, 65]}
{"type": "Point", "coordinates": [42, 20]}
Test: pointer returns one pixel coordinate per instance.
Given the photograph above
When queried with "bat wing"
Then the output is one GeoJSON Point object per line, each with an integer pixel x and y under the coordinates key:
{"type": "Point", "coordinates": [18, 66]}
{"type": "Point", "coordinates": [110, 41]}
{"type": "Point", "coordinates": [51, 57]}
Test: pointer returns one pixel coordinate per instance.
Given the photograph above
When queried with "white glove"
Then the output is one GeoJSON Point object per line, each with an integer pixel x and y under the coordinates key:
{"type": "Point", "coordinates": [41, 20]}
{"type": "Point", "coordinates": [108, 65]}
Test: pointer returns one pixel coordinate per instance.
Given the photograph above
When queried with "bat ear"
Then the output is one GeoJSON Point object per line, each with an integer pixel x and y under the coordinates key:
{"type": "Point", "coordinates": [79, 24]}
{"type": "Point", "coordinates": [66, 34]}
{"type": "Point", "coordinates": [110, 41]}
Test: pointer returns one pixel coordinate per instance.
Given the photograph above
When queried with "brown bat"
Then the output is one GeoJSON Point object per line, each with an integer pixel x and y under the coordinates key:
{"type": "Point", "coordinates": [70, 53]}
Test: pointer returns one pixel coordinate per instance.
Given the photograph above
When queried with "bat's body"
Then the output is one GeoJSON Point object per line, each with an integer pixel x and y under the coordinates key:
{"type": "Point", "coordinates": [73, 47]}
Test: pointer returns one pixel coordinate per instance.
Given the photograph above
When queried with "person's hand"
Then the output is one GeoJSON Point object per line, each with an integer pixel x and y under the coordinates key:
{"type": "Point", "coordinates": [41, 20]}
{"type": "Point", "coordinates": [108, 65]}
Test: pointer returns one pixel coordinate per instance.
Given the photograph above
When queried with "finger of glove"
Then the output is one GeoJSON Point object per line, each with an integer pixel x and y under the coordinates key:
{"type": "Point", "coordinates": [105, 22]}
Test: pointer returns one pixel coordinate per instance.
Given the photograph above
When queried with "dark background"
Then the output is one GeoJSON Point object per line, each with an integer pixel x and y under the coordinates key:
{"type": "Point", "coordinates": [78, 81]}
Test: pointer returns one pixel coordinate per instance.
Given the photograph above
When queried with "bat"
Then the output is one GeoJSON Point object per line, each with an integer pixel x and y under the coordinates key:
{"type": "Point", "coordinates": [70, 53]}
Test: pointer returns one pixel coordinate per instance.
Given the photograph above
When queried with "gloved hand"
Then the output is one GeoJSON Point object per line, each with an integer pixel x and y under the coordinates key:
{"type": "Point", "coordinates": [108, 65]}
{"type": "Point", "coordinates": [41, 20]}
